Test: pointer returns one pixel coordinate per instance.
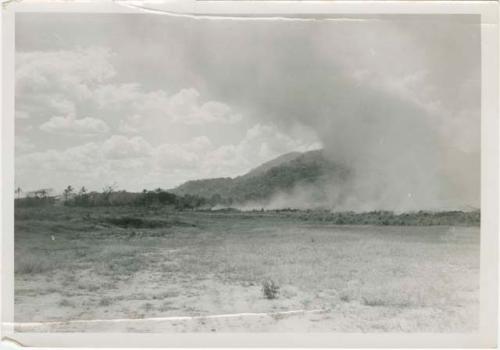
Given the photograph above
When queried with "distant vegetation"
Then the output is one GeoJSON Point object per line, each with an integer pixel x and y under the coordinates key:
{"type": "Point", "coordinates": [417, 218]}
{"type": "Point", "coordinates": [221, 195]}
{"type": "Point", "coordinates": [160, 199]}
{"type": "Point", "coordinates": [164, 199]}
{"type": "Point", "coordinates": [110, 197]}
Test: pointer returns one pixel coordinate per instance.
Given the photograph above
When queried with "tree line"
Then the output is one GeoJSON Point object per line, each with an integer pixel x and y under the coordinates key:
{"type": "Point", "coordinates": [109, 196]}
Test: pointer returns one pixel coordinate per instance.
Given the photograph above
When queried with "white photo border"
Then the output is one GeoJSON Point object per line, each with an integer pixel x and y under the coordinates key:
{"type": "Point", "coordinates": [487, 334]}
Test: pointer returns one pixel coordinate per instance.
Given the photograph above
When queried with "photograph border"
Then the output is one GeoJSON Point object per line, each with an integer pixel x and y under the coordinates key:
{"type": "Point", "coordinates": [487, 334]}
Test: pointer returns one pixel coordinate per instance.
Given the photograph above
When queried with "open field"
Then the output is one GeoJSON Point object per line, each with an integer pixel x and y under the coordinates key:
{"type": "Point", "coordinates": [133, 263]}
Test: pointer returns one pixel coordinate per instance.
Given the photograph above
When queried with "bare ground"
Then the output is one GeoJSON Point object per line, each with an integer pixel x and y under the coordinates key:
{"type": "Point", "coordinates": [73, 265]}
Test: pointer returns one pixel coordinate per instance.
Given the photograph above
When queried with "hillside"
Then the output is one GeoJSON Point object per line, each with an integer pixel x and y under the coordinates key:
{"type": "Point", "coordinates": [283, 174]}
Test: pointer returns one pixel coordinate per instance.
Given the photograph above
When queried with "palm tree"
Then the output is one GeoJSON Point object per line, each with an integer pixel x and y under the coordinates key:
{"type": "Point", "coordinates": [67, 192]}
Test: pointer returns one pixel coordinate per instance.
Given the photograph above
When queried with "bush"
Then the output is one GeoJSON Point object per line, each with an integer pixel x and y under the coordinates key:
{"type": "Point", "coordinates": [105, 301]}
{"type": "Point", "coordinates": [30, 265]}
{"type": "Point", "coordinates": [66, 303]}
{"type": "Point", "coordinates": [270, 289]}
{"type": "Point", "coordinates": [133, 222]}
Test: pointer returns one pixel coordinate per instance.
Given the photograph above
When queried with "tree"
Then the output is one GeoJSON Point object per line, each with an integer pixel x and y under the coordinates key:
{"type": "Point", "coordinates": [42, 193]}
{"type": "Point", "coordinates": [107, 191]}
{"type": "Point", "coordinates": [82, 198]}
{"type": "Point", "coordinates": [165, 197]}
{"type": "Point", "coordinates": [215, 199]}
{"type": "Point", "coordinates": [109, 188]}
{"type": "Point", "coordinates": [18, 192]}
{"type": "Point", "coordinates": [68, 191]}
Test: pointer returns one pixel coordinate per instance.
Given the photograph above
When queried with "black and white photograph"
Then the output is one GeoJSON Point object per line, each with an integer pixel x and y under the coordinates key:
{"type": "Point", "coordinates": [306, 174]}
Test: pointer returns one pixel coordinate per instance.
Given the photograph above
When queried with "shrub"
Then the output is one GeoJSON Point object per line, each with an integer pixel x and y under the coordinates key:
{"type": "Point", "coordinates": [147, 306]}
{"type": "Point", "coordinates": [136, 222]}
{"type": "Point", "coordinates": [373, 301]}
{"type": "Point", "coordinates": [66, 303]}
{"type": "Point", "coordinates": [31, 265]}
{"type": "Point", "coordinates": [128, 221]}
{"type": "Point", "coordinates": [105, 301]}
{"type": "Point", "coordinates": [345, 297]}
{"type": "Point", "coordinates": [270, 289]}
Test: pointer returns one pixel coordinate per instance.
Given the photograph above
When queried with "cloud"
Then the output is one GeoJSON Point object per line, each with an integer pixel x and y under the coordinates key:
{"type": "Point", "coordinates": [199, 144]}
{"type": "Point", "coordinates": [121, 147]}
{"type": "Point", "coordinates": [63, 106]}
{"type": "Point", "coordinates": [131, 124]}
{"type": "Point", "coordinates": [71, 71]}
{"type": "Point", "coordinates": [70, 125]}
{"type": "Point", "coordinates": [182, 107]}
{"type": "Point", "coordinates": [184, 156]}
{"type": "Point", "coordinates": [261, 143]}
{"type": "Point", "coordinates": [93, 164]}
{"type": "Point", "coordinates": [133, 162]}
{"type": "Point", "coordinates": [49, 83]}
{"type": "Point", "coordinates": [79, 159]}
{"type": "Point", "coordinates": [73, 92]}
{"type": "Point", "coordinates": [23, 145]}
{"type": "Point", "coordinates": [172, 157]}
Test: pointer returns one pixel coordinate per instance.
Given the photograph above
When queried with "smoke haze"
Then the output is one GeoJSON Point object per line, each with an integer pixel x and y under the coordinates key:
{"type": "Point", "coordinates": [394, 99]}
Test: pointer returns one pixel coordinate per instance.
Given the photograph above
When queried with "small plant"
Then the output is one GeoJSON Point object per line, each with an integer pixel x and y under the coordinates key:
{"type": "Point", "coordinates": [66, 303]}
{"type": "Point", "coordinates": [147, 307]}
{"type": "Point", "coordinates": [373, 301]}
{"type": "Point", "coordinates": [30, 265]}
{"type": "Point", "coordinates": [105, 301]}
{"type": "Point", "coordinates": [345, 298]}
{"type": "Point", "coordinates": [270, 289]}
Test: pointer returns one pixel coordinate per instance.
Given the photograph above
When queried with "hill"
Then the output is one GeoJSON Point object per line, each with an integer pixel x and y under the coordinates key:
{"type": "Point", "coordinates": [283, 174]}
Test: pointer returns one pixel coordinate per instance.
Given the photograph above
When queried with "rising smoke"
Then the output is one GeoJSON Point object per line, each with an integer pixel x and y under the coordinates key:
{"type": "Point", "coordinates": [390, 99]}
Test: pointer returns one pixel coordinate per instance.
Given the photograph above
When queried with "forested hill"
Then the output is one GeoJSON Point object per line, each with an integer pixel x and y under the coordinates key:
{"type": "Point", "coordinates": [280, 175]}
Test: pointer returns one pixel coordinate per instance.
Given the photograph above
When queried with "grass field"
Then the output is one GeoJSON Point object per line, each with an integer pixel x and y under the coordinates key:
{"type": "Point", "coordinates": [135, 263]}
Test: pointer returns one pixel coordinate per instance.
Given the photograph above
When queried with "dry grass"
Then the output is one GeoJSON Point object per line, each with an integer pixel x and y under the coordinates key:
{"type": "Point", "coordinates": [66, 303]}
{"type": "Point", "coordinates": [105, 301]}
{"type": "Point", "coordinates": [372, 278]}
{"type": "Point", "coordinates": [29, 265]}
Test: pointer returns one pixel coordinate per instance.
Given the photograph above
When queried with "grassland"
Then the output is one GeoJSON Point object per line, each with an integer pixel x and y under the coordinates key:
{"type": "Point", "coordinates": [74, 263]}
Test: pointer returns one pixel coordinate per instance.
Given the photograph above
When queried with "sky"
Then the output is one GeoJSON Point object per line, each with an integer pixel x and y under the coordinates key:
{"type": "Point", "coordinates": [147, 101]}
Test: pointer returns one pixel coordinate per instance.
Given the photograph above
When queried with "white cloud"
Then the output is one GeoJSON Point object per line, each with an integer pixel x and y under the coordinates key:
{"type": "Point", "coordinates": [71, 125]}
{"type": "Point", "coordinates": [57, 83]}
{"type": "Point", "coordinates": [132, 124]}
{"type": "Point", "coordinates": [172, 157]}
{"type": "Point", "coordinates": [199, 144]}
{"type": "Point", "coordinates": [63, 106]}
{"type": "Point", "coordinates": [77, 159]}
{"type": "Point", "coordinates": [273, 142]}
{"type": "Point", "coordinates": [121, 147]}
{"type": "Point", "coordinates": [117, 96]}
{"type": "Point", "coordinates": [69, 71]}
{"type": "Point", "coordinates": [188, 155]}
{"type": "Point", "coordinates": [134, 163]}
{"type": "Point", "coordinates": [55, 88]}
{"type": "Point", "coordinates": [72, 92]}
{"type": "Point", "coordinates": [183, 107]}
{"type": "Point", "coordinates": [261, 143]}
